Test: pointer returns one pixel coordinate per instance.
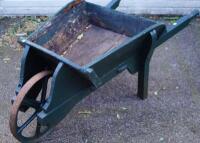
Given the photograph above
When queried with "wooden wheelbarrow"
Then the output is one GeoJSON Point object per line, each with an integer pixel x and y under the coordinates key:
{"type": "Point", "coordinates": [78, 50]}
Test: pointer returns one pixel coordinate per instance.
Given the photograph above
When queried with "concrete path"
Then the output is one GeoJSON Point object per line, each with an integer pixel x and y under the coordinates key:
{"type": "Point", "coordinates": [171, 114]}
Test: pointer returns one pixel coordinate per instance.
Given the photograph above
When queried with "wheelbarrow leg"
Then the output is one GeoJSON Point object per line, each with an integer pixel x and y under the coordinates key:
{"type": "Point", "coordinates": [143, 76]}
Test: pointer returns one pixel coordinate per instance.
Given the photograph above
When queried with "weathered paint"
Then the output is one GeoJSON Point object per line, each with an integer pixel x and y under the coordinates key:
{"type": "Point", "coordinates": [72, 82]}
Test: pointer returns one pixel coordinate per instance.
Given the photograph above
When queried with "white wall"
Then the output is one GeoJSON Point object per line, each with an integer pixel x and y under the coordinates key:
{"type": "Point", "coordinates": [49, 7]}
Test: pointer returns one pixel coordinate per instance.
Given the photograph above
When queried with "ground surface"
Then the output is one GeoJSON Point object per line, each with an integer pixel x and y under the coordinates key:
{"type": "Point", "coordinates": [171, 114]}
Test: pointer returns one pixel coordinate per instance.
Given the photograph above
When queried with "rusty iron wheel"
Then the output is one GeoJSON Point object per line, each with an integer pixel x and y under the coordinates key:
{"type": "Point", "coordinates": [17, 130]}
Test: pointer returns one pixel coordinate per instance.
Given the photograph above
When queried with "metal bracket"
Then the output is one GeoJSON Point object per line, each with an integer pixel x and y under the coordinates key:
{"type": "Point", "coordinates": [154, 38]}
{"type": "Point", "coordinates": [93, 77]}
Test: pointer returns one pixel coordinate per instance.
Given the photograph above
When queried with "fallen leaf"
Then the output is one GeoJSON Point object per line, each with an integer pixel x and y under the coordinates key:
{"type": "Point", "coordinates": [21, 34]}
{"type": "Point", "coordinates": [161, 139]}
{"type": "Point", "coordinates": [80, 36]}
{"type": "Point", "coordinates": [74, 21]}
{"type": "Point", "coordinates": [6, 59]}
{"type": "Point", "coordinates": [65, 52]}
{"type": "Point", "coordinates": [124, 108]}
{"type": "Point", "coordinates": [156, 93]}
{"type": "Point", "coordinates": [118, 116]}
{"type": "Point", "coordinates": [84, 112]}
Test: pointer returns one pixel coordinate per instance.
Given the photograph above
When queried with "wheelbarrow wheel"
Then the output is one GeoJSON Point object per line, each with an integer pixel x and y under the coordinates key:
{"type": "Point", "coordinates": [16, 129]}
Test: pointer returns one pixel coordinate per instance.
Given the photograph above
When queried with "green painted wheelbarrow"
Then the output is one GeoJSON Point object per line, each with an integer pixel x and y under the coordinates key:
{"type": "Point", "coordinates": [78, 50]}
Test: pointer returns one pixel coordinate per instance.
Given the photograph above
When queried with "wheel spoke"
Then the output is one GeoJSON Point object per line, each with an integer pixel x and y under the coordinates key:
{"type": "Point", "coordinates": [32, 103]}
{"type": "Point", "coordinates": [44, 90]}
{"type": "Point", "coordinates": [38, 129]}
{"type": "Point", "coordinates": [22, 127]}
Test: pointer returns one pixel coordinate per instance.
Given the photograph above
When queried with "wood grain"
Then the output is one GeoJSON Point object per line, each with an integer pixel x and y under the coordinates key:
{"type": "Point", "coordinates": [95, 41]}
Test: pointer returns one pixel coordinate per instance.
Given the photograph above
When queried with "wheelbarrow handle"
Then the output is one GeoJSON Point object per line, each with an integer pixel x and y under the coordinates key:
{"type": "Point", "coordinates": [177, 26]}
{"type": "Point", "coordinates": [183, 21]}
{"type": "Point", "coordinates": [113, 4]}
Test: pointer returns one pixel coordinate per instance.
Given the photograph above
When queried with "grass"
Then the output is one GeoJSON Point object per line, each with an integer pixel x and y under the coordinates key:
{"type": "Point", "coordinates": [25, 26]}
{"type": "Point", "coordinates": [171, 19]}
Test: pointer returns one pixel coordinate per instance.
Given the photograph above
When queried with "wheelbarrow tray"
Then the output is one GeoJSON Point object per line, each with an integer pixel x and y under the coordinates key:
{"type": "Point", "coordinates": [87, 31]}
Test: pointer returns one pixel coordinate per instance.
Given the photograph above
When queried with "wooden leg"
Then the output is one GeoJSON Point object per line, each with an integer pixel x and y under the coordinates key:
{"type": "Point", "coordinates": [143, 76]}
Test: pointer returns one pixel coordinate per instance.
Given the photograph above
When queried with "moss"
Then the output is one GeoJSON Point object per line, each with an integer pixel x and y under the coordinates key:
{"type": "Point", "coordinates": [171, 19]}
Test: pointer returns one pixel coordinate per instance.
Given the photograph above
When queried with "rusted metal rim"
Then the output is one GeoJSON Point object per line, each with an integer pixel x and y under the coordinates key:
{"type": "Point", "coordinates": [15, 129]}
